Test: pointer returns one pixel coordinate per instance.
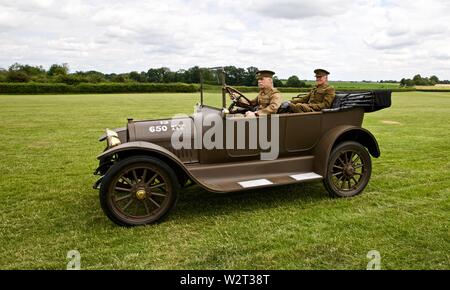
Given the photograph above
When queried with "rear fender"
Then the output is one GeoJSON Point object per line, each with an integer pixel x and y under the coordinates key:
{"type": "Point", "coordinates": [338, 135]}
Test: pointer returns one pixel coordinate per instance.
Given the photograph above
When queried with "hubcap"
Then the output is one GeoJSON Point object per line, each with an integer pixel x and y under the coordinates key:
{"type": "Point", "coordinates": [141, 194]}
{"type": "Point", "coordinates": [349, 170]}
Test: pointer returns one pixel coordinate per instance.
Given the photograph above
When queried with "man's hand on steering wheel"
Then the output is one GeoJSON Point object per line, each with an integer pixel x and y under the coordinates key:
{"type": "Point", "coordinates": [235, 100]}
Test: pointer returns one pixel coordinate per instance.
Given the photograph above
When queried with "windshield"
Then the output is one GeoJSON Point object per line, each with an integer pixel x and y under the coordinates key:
{"type": "Point", "coordinates": [212, 87]}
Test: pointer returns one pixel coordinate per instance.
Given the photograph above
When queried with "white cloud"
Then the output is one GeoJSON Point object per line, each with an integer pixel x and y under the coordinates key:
{"type": "Point", "coordinates": [364, 39]}
{"type": "Point", "coordinates": [295, 9]}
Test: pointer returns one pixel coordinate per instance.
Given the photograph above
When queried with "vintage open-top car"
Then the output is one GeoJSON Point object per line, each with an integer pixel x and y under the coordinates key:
{"type": "Point", "coordinates": [145, 166]}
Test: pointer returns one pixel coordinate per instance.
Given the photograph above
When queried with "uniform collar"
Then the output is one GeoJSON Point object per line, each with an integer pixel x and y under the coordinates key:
{"type": "Point", "coordinates": [266, 91]}
{"type": "Point", "coordinates": [322, 85]}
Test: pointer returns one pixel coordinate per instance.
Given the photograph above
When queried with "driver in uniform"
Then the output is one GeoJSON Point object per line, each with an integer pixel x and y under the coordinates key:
{"type": "Point", "coordinates": [269, 98]}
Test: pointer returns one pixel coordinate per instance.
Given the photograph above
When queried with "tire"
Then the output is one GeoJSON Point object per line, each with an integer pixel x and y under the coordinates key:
{"type": "Point", "coordinates": [138, 190]}
{"type": "Point", "coordinates": [348, 171]}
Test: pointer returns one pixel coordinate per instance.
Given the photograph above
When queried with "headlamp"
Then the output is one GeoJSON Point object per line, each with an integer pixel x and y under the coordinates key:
{"type": "Point", "coordinates": [112, 138]}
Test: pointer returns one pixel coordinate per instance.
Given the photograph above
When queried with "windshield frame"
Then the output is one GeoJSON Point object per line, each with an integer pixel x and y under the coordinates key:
{"type": "Point", "coordinates": [221, 75]}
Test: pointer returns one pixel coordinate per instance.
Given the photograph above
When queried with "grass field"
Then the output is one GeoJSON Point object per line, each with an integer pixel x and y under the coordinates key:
{"type": "Point", "coordinates": [434, 88]}
{"type": "Point", "coordinates": [49, 145]}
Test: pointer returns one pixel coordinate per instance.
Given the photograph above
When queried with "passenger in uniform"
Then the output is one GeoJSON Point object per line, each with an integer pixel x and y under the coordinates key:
{"type": "Point", "coordinates": [320, 97]}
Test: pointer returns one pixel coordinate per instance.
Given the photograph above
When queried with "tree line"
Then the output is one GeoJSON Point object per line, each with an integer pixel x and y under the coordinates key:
{"type": "Point", "coordinates": [418, 80]}
{"type": "Point", "coordinates": [234, 76]}
{"type": "Point", "coordinates": [59, 73]}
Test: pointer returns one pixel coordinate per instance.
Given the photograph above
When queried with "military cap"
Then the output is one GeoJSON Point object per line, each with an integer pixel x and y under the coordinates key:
{"type": "Point", "coordinates": [321, 72]}
{"type": "Point", "coordinates": [264, 73]}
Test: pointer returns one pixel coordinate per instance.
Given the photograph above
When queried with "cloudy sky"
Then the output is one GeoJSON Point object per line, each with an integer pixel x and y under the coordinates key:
{"type": "Point", "coordinates": [355, 40]}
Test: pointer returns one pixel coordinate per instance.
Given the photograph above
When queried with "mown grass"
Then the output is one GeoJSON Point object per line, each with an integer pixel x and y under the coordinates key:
{"type": "Point", "coordinates": [437, 88]}
{"type": "Point", "coordinates": [49, 144]}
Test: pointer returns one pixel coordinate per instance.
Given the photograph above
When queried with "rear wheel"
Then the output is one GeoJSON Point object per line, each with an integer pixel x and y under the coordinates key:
{"type": "Point", "coordinates": [138, 190]}
{"type": "Point", "coordinates": [349, 169]}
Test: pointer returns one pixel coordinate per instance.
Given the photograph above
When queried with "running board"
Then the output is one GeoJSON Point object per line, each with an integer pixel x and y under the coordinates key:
{"type": "Point", "coordinates": [232, 185]}
{"type": "Point", "coordinates": [295, 177]}
{"type": "Point", "coordinates": [228, 177]}
{"type": "Point", "coordinates": [306, 176]}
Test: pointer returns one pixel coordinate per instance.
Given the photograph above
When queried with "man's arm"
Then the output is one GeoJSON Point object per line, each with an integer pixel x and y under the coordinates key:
{"type": "Point", "coordinates": [303, 99]}
{"type": "Point", "coordinates": [253, 102]}
{"type": "Point", "coordinates": [272, 108]}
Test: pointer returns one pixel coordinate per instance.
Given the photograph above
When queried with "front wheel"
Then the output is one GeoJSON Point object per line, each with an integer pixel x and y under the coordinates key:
{"type": "Point", "coordinates": [349, 169]}
{"type": "Point", "coordinates": [138, 190]}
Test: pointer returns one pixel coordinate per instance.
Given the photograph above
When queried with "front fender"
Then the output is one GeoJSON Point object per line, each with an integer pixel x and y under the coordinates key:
{"type": "Point", "coordinates": [137, 147]}
{"type": "Point", "coordinates": [142, 147]}
{"type": "Point", "coordinates": [338, 135]}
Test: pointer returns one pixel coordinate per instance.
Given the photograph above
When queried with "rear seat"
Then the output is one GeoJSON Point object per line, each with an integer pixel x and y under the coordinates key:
{"type": "Point", "coordinates": [284, 107]}
{"type": "Point", "coordinates": [371, 101]}
{"type": "Point", "coordinates": [336, 105]}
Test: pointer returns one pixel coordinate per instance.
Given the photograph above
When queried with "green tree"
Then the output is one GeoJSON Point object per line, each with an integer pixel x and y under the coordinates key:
{"type": "Point", "coordinates": [182, 76]}
{"type": "Point", "coordinates": [277, 82]}
{"type": "Point", "coordinates": [143, 77]}
{"type": "Point", "coordinates": [294, 82]}
{"type": "Point", "coordinates": [160, 75]}
{"type": "Point", "coordinates": [135, 76]}
{"type": "Point", "coordinates": [24, 73]}
{"type": "Point", "coordinates": [3, 75]}
{"type": "Point", "coordinates": [94, 77]}
{"type": "Point", "coordinates": [28, 69]}
{"type": "Point", "coordinates": [56, 69]}
{"type": "Point", "coordinates": [250, 76]}
{"type": "Point", "coordinates": [434, 79]}
{"type": "Point", "coordinates": [17, 77]}
{"type": "Point", "coordinates": [409, 83]}
{"type": "Point", "coordinates": [235, 76]}
{"type": "Point", "coordinates": [167, 75]}
{"type": "Point", "coordinates": [193, 75]}
{"type": "Point", "coordinates": [138, 77]}
{"type": "Point", "coordinates": [419, 81]}
{"type": "Point", "coordinates": [120, 78]}
{"type": "Point", "coordinates": [231, 75]}
{"type": "Point", "coordinates": [153, 76]}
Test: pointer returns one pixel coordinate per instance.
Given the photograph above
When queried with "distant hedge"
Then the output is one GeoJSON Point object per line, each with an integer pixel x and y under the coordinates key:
{"type": "Point", "coordinates": [100, 88]}
{"type": "Point", "coordinates": [244, 89]}
{"type": "Point", "coordinates": [108, 88]}
{"type": "Point", "coordinates": [303, 90]}
{"type": "Point", "coordinates": [403, 90]}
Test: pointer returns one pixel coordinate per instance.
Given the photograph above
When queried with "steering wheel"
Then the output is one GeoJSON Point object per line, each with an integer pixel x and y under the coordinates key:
{"type": "Point", "coordinates": [235, 96]}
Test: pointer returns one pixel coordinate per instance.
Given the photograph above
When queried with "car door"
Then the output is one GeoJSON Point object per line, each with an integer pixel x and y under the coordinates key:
{"type": "Point", "coordinates": [302, 131]}
{"type": "Point", "coordinates": [241, 137]}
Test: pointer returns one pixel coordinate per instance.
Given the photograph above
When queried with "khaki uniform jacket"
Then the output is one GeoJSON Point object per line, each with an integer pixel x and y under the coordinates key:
{"type": "Point", "coordinates": [268, 101]}
{"type": "Point", "coordinates": [320, 97]}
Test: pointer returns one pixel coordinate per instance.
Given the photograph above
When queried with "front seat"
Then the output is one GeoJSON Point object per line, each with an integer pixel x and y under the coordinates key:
{"type": "Point", "coordinates": [284, 107]}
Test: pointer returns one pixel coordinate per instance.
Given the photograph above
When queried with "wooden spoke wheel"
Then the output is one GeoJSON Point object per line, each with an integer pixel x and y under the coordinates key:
{"type": "Point", "coordinates": [349, 170]}
{"type": "Point", "coordinates": [138, 190]}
